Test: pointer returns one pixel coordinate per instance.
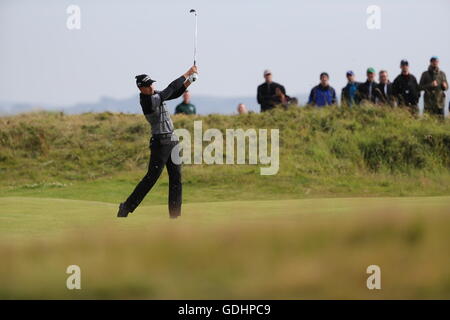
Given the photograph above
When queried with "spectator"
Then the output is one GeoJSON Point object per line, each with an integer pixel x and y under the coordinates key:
{"type": "Point", "coordinates": [349, 91]}
{"type": "Point", "coordinates": [322, 94]}
{"type": "Point", "coordinates": [266, 94]}
{"type": "Point", "coordinates": [366, 90]}
{"type": "Point", "coordinates": [383, 91]}
{"type": "Point", "coordinates": [434, 83]}
{"type": "Point", "coordinates": [406, 89]}
{"type": "Point", "coordinates": [242, 109]}
{"type": "Point", "coordinates": [282, 99]}
{"type": "Point", "coordinates": [186, 107]}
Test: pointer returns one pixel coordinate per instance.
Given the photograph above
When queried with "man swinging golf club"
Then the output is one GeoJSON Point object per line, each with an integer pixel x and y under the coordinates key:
{"type": "Point", "coordinates": [161, 143]}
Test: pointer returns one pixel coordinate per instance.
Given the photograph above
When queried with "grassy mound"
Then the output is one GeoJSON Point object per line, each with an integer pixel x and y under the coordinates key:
{"type": "Point", "coordinates": [332, 151]}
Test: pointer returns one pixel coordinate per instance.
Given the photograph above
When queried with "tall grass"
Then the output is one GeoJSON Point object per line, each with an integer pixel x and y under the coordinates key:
{"type": "Point", "coordinates": [291, 249]}
{"type": "Point", "coordinates": [328, 151]}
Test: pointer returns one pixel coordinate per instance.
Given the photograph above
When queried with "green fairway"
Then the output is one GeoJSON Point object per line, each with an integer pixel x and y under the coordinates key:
{"type": "Point", "coordinates": [28, 218]}
{"type": "Point", "coordinates": [310, 248]}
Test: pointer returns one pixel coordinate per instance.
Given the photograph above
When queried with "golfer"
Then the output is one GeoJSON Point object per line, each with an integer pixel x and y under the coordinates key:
{"type": "Point", "coordinates": [161, 143]}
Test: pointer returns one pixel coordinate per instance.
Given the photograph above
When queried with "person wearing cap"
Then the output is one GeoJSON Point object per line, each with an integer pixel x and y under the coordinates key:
{"type": "Point", "coordinates": [267, 92]}
{"type": "Point", "coordinates": [186, 107]}
{"type": "Point", "coordinates": [323, 94]}
{"type": "Point", "coordinates": [434, 83]}
{"type": "Point", "coordinates": [383, 91]}
{"type": "Point", "coordinates": [366, 90]}
{"type": "Point", "coordinates": [406, 89]}
{"type": "Point", "coordinates": [162, 142]}
{"type": "Point", "coordinates": [349, 91]}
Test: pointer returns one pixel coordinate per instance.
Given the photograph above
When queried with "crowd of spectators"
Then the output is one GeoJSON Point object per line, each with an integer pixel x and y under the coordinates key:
{"type": "Point", "coordinates": [404, 91]}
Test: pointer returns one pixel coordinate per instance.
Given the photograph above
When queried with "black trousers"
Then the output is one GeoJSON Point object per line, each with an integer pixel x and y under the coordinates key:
{"type": "Point", "coordinates": [160, 157]}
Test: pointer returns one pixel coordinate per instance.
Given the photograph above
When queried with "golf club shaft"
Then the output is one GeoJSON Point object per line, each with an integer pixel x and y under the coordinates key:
{"type": "Point", "coordinates": [195, 40]}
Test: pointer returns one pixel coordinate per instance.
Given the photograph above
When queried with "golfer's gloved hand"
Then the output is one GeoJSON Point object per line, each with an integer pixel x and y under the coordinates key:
{"type": "Point", "coordinates": [193, 77]}
{"type": "Point", "coordinates": [191, 74]}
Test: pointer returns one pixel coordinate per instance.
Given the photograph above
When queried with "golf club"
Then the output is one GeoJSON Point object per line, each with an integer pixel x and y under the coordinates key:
{"type": "Point", "coordinates": [195, 76]}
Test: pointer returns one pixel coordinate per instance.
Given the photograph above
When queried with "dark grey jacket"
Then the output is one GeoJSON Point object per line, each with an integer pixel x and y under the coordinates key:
{"type": "Point", "coordinates": [266, 95]}
{"type": "Point", "coordinates": [155, 109]}
{"type": "Point", "coordinates": [406, 90]}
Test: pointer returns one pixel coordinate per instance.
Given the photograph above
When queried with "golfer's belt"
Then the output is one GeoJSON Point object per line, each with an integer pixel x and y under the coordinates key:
{"type": "Point", "coordinates": [162, 136]}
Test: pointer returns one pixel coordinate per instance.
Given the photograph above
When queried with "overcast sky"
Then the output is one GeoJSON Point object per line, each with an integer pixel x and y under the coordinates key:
{"type": "Point", "coordinates": [42, 61]}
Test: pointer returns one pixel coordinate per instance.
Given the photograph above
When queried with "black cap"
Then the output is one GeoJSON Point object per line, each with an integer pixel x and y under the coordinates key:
{"type": "Point", "coordinates": [404, 62]}
{"type": "Point", "coordinates": [143, 80]}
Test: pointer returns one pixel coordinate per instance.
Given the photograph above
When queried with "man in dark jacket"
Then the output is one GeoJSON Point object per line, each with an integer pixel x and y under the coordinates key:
{"type": "Point", "coordinates": [434, 83]}
{"type": "Point", "coordinates": [349, 91]}
{"type": "Point", "coordinates": [383, 91]}
{"type": "Point", "coordinates": [366, 90]}
{"type": "Point", "coordinates": [406, 89]}
{"type": "Point", "coordinates": [322, 94]}
{"type": "Point", "coordinates": [267, 92]}
{"type": "Point", "coordinates": [162, 142]}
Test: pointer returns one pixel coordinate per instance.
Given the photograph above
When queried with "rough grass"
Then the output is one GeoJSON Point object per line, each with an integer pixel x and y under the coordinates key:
{"type": "Point", "coordinates": [332, 152]}
{"type": "Point", "coordinates": [292, 249]}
